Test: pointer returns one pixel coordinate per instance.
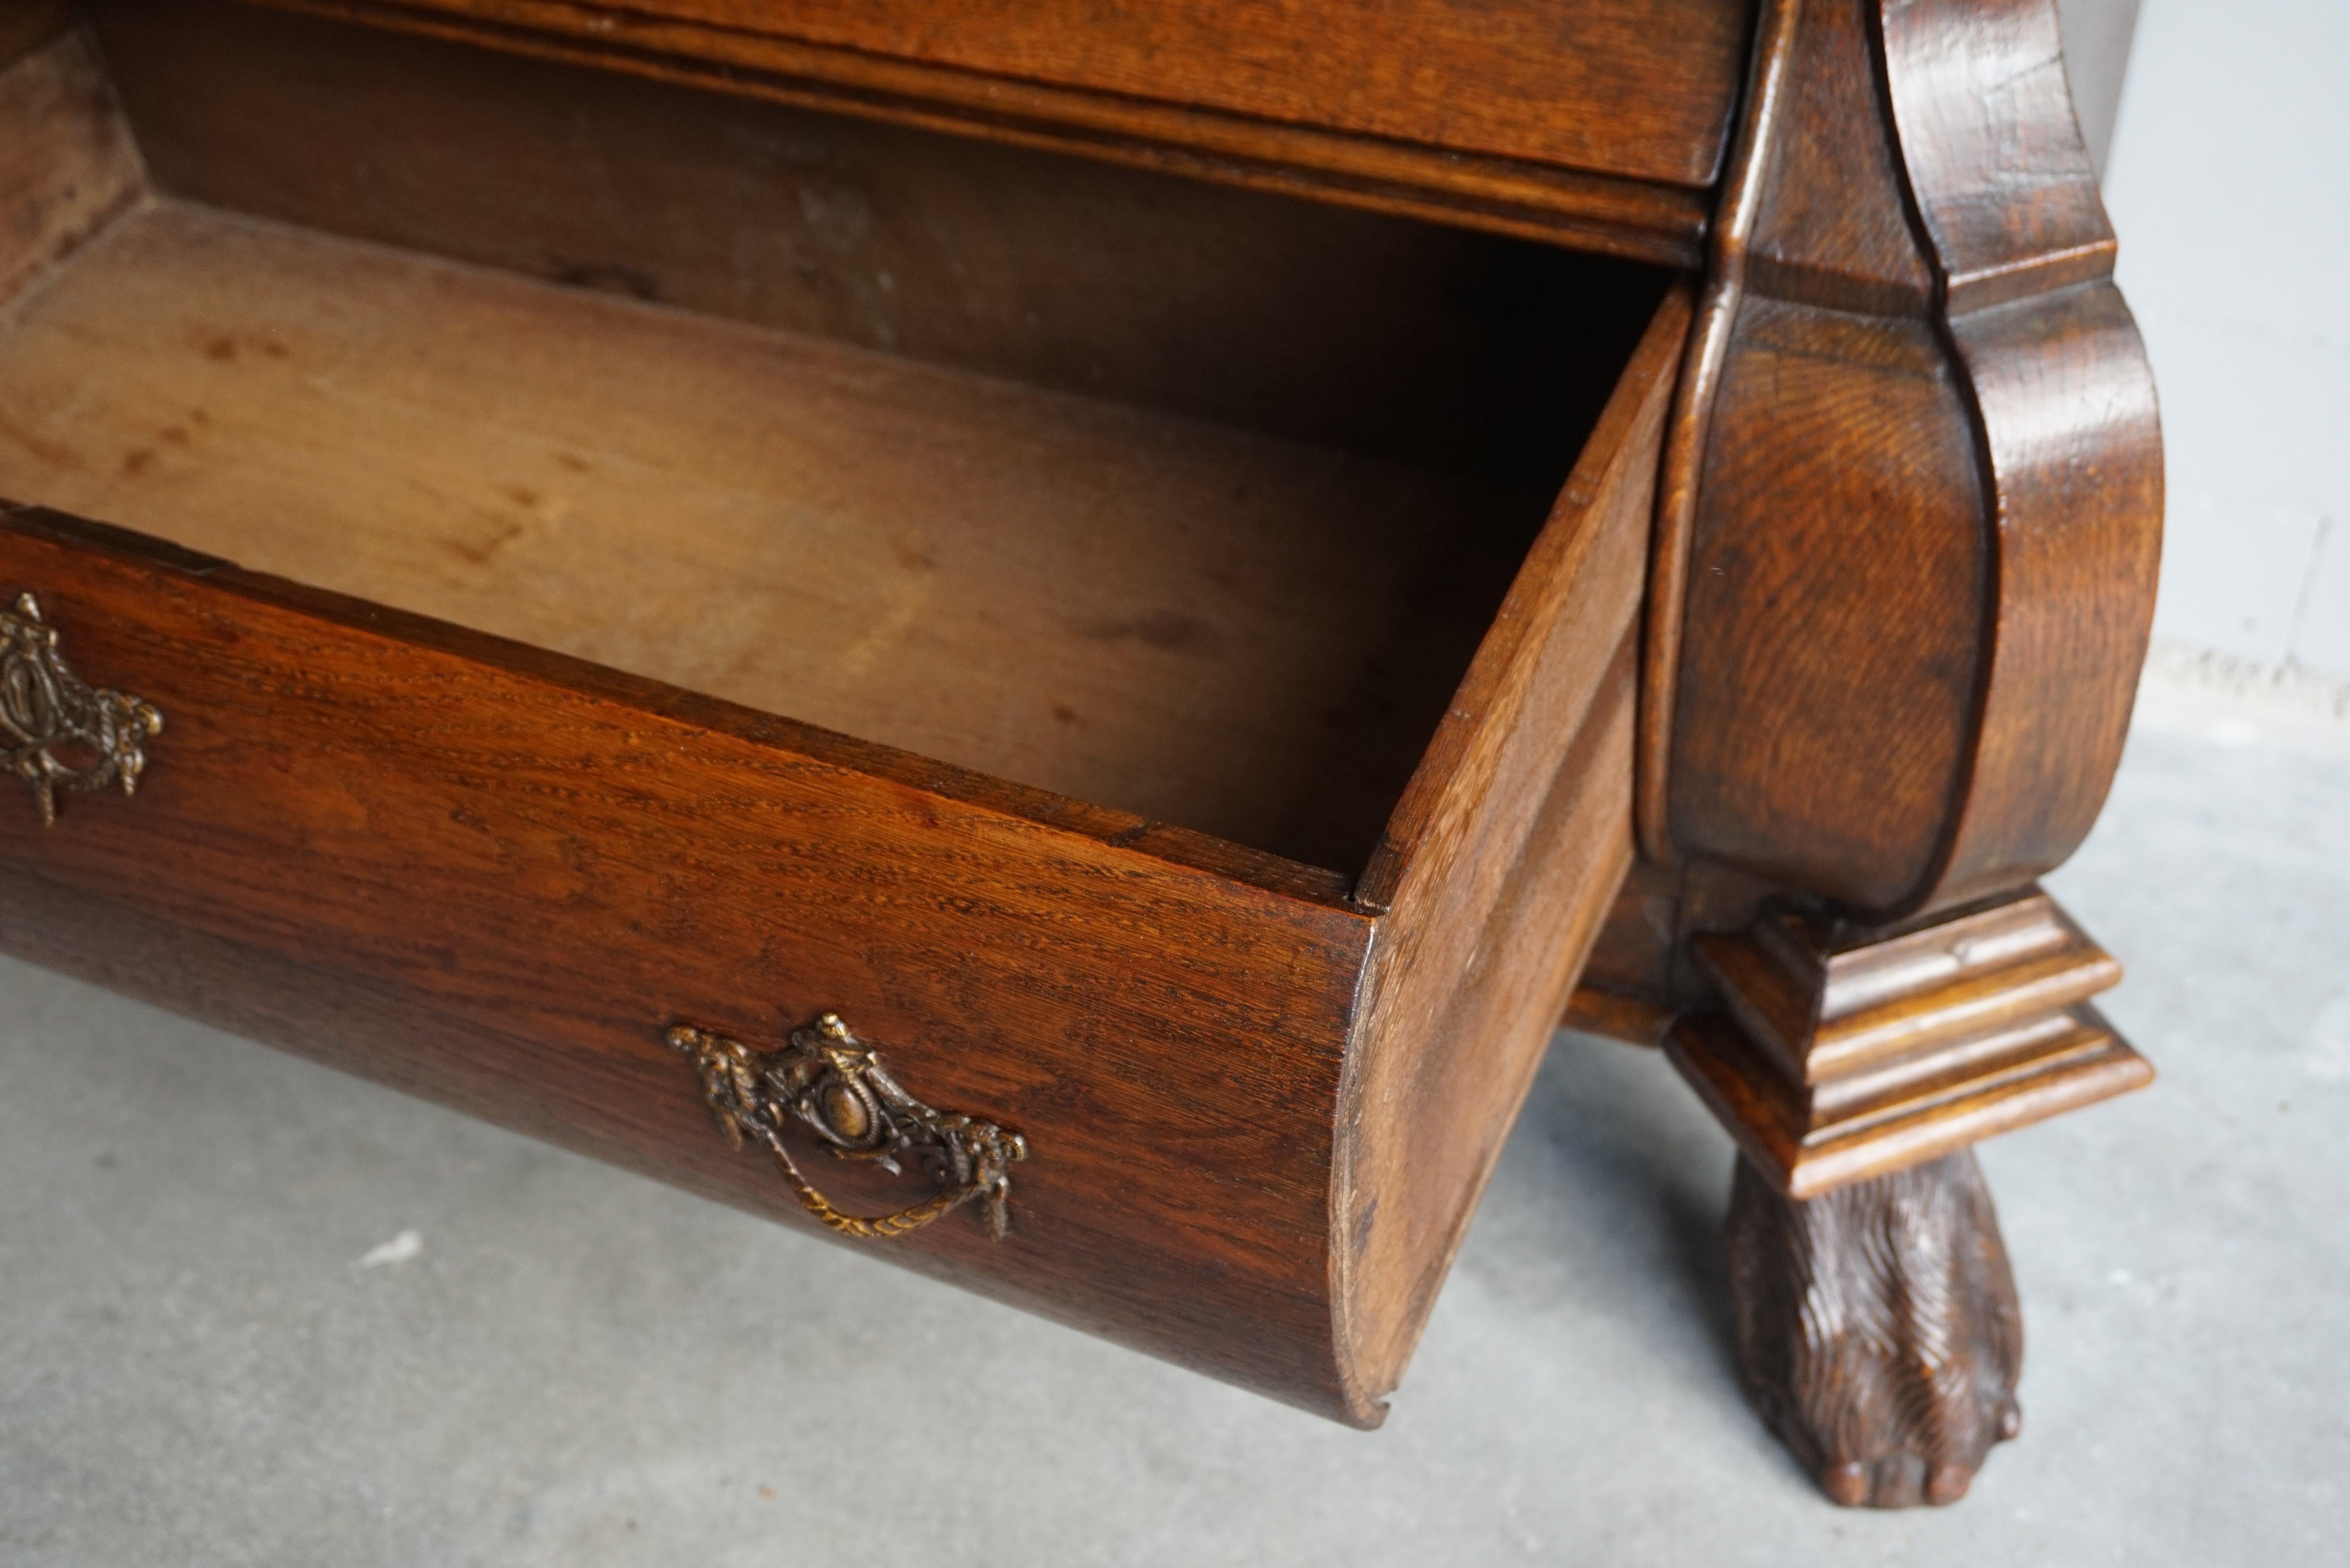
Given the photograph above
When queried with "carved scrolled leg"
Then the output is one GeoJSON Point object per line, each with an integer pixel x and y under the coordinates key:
{"type": "Point", "coordinates": [1878, 1330]}
{"type": "Point", "coordinates": [1879, 1333]}
{"type": "Point", "coordinates": [1907, 535]}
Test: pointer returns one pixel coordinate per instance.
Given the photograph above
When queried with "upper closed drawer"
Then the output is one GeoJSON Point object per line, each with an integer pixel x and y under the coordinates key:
{"type": "Point", "coordinates": [1531, 114]}
{"type": "Point", "coordinates": [1639, 88]}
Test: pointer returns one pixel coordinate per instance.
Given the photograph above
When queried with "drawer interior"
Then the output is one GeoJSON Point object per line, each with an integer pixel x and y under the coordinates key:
{"type": "Point", "coordinates": [1178, 499]}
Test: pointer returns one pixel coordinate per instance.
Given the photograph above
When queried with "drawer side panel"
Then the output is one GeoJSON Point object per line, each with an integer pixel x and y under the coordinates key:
{"type": "Point", "coordinates": [67, 163]}
{"type": "Point", "coordinates": [1496, 871]}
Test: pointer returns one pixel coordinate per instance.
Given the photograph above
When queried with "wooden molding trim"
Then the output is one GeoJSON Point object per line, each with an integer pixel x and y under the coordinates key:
{"type": "Point", "coordinates": [1692, 415]}
{"type": "Point", "coordinates": [1838, 1056]}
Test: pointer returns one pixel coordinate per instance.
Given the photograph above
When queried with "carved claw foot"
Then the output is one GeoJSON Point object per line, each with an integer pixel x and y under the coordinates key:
{"type": "Point", "coordinates": [1878, 1332]}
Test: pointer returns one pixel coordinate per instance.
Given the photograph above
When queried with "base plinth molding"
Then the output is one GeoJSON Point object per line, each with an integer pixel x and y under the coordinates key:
{"type": "Point", "coordinates": [1838, 1055]}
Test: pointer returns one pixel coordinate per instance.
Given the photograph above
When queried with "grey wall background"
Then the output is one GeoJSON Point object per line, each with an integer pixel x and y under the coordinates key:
{"type": "Point", "coordinates": [2097, 34]}
{"type": "Point", "coordinates": [2229, 181]}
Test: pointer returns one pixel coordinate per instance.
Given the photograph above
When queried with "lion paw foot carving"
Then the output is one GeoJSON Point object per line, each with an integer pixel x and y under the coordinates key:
{"type": "Point", "coordinates": [1878, 1329]}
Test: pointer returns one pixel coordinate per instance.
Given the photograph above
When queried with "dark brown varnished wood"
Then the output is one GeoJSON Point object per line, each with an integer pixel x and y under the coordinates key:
{"type": "Point", "coordinates": [1499, 841]}
{"type": "Point", "coordinates": [480, 868]}
{"type": "Point", "coordinates": [470, 862]}
{"type": "Point", "coordinates": [498, 876]}
{"type": "Point", "coordinates": [1401, 340]}
{"type": "Point", "coordinates": [1919, 567]}
{"type": "Point", "coordinates": [1897, 614]}
{"type": "Point", "coordinates": [1904, 575]}
{"type": "Point", "coordinates": [1688, 437]}
{"type": "Point", "coordinates": [1877, 1328]}
{"type": "Point", "coordinates": [1633, 87]}
{"type": "Point", "coordinates": [1596, 124]}
{"type": "Point", "coordinates": [1839, 1055]}
{"type": "Point", "coordinates": [1211, 497]}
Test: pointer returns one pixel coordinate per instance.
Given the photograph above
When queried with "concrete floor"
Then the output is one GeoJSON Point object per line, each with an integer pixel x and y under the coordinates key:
{"type": "Point", "coordinates": [572, 1366]}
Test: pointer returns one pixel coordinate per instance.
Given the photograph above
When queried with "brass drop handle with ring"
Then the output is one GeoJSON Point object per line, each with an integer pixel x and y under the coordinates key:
{"type": "Point", "coordinates": [830, 1082]}
{"type": "Point", "coordinates": [61, 732]}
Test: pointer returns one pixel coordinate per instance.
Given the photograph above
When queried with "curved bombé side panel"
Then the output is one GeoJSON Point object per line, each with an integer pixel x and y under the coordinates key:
{"type": "Point", "coordinates": [1897, 610]}
{"type": "Point", "coordinates": [1913, 580]}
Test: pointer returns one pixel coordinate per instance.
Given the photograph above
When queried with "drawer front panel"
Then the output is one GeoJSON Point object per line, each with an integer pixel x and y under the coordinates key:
{"type": "Point", "coordinates": [498, 879]}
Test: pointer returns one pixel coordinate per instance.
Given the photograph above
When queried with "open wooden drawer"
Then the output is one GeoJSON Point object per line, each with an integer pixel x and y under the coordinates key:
{"type": "Point", "coordinates": [1155, 659]}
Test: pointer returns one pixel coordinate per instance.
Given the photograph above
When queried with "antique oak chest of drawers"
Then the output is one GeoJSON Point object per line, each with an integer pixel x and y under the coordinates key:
{"type": "Point", "coordinates": [1053, 638]}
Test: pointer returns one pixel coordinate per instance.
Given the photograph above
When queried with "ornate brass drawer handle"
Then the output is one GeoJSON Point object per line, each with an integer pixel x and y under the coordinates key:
{"type": "Point", "coordinates": [63, 732]}
{"type": "Point", "coordinates": [830, 1082]}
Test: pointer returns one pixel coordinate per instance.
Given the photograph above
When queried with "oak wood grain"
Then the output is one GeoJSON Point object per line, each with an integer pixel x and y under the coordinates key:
{"type": "Point", "coordinates": [1119, 697]}
{"type": "Point", "coordinates": [483, 873]}
{"type": "Point", "coordinates": [1934, 504]}
{"type": "Point", "coordinates": [493, 873]}
{"type": "Point", "coordinates": [1154, 615]}
{"type": "Point", "coordinates": [1597, 125]}
{"type": "Point", "coordinates": [1397, 339]}
{"type": "Point", "coordinates": [1688, 434]}
{"type": "Point", "coordinates": [1495, 872]}
{"type": "Point", "coordinates": [1847, 1054]}
{"type": "Point", "coordinates": [1905, 598]}
{"type": "Point", "coordinates": [1921, 556]}
{"type": "Point", "coordinates": [1632, 87]}
{"type": "Point", "coordinates": [500, 875]}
